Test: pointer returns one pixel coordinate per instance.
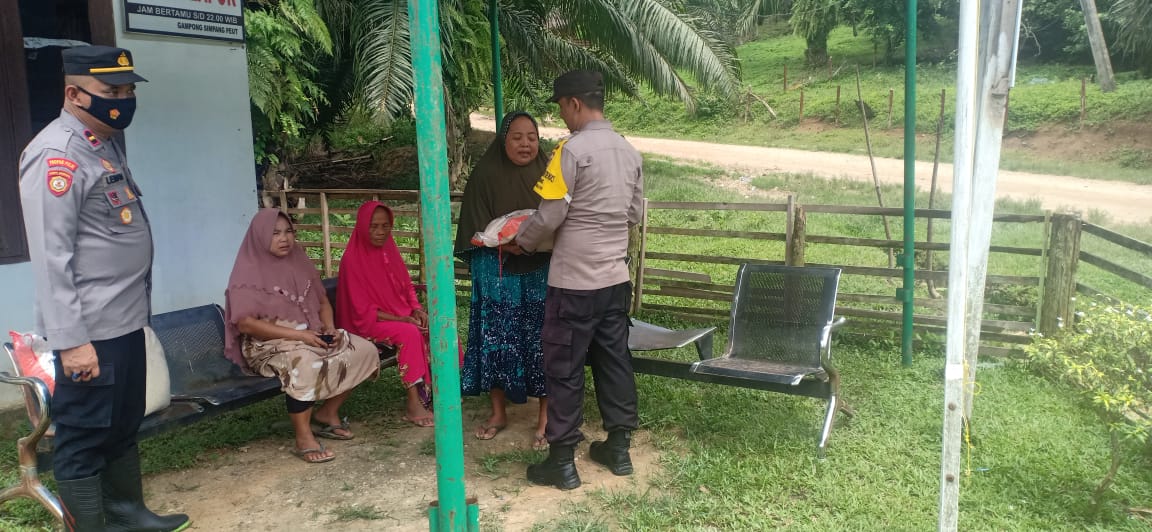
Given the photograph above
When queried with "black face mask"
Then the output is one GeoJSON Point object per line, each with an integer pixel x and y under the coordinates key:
{"type": "Point", "coordinates": [115, 113]}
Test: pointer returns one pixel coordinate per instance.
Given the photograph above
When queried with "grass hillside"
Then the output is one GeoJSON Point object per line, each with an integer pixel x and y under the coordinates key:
{"type": "Point", "coordinates": [1043, 131]}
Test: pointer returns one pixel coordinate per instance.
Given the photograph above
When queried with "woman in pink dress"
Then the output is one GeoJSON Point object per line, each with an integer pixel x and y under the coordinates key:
{"type": "Point", "coordinates": [375, 298]}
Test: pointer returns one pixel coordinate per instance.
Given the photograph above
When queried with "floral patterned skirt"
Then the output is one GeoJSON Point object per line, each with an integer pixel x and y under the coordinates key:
{"type": "Point", "coordinates": [310, 373]}
{"type": "Point", "coordinates": [504, 330]}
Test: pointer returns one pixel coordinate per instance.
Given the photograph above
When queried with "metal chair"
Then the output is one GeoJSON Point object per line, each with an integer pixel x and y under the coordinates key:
{"type": "Point", "coordinates": [780, 335]}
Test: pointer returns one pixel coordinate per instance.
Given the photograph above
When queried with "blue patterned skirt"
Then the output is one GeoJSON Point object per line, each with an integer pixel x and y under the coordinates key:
{"type": "Point", "coordinates": [504, 330]}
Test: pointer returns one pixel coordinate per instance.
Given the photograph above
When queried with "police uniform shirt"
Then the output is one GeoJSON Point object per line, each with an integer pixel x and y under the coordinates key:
{"type": "Point", "coordinates": [88, 236]}
{"type": "Point", "coordinates": [590, 205]}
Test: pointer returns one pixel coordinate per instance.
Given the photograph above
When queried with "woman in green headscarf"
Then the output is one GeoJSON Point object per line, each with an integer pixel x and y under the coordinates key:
{"type": "Point", "coordinates": [503, 356]}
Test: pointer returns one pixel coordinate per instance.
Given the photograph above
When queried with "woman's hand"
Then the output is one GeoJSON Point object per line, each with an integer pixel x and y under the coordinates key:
{"type": "Point", "coordinates": [311, 338]}
{"type": "Point", "coordinates": [420, 318]}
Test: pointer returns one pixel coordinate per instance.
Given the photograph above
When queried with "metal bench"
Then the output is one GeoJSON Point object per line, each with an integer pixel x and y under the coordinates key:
{"type": "Point", "coordinates": [203, 384]}
{"type": "Point", "coordinates": [779, 338]}
{"type": "Point", "coordinates": [644, 336]}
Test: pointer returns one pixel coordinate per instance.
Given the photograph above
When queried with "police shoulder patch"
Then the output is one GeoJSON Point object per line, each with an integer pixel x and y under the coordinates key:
{"type": "Point", "coordinates": [59, 182]}
{"type": "Point", "coordinates": [61, 162]}
{"type": "Point", "coordinates": [551, 185]}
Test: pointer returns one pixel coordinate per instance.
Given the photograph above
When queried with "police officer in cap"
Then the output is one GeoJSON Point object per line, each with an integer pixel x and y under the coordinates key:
{"type": "Point", "coordinates": [591, 193]}
{"type": "Point", "coordinates": [91, 250]}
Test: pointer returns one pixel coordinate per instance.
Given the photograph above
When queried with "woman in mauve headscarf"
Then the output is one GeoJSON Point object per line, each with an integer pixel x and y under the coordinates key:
{"type": "Point", "coordinates": [278, 323]}
{"type": "Point", "coordinates": [503, 356]}
{"type": "Point", "coordinates": [375, 298]}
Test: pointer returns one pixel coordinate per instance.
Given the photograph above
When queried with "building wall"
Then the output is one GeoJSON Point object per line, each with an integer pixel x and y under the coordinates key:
{"type": "Point", "coordinates": [190, 150]}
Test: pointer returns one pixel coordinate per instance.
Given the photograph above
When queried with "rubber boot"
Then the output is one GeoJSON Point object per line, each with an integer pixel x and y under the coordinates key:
{"type": "Point", "coordinates": [613, 453]}
{"type": "Point", "coordinates": [558, 470]}
{"type": "Point", "coordinates": [83, 506]}
{"type": "Point", "coordinates": [124, 508]}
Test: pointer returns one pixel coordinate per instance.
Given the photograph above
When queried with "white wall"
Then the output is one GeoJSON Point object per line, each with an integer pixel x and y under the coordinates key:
{"type": "Point", "coordinates": [190, 150]}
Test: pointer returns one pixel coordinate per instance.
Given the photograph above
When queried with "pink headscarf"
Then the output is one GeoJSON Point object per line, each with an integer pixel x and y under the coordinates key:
{"type": "Point", "coordinates": [265, 286]}
{"type": "Point", "coordinates": [372, 279]}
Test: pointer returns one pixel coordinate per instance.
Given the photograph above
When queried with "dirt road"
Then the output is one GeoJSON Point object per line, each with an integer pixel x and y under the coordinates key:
{"type": "Point", "coordinates": [1124, 202]}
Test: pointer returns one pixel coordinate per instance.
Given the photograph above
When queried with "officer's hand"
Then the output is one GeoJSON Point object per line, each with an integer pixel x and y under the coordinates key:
{"type": "Point", "coordinates": [513, 248]}
{"type": "Point", "coordinates": [80, 363]}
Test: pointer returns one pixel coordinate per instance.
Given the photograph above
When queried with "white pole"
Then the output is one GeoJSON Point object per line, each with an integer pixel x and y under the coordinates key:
{"type": "Point", "coordinates": [1016, 42]}
{"type": "Point", "coordinates": [965, 142]}
{"type": "Point", "coordinates": [992, 100]}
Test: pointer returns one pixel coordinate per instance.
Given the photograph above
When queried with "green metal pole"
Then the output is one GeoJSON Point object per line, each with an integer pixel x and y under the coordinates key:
{"type": "Point", "coordinates": [451, 511]}
{"type": "Point", "coordinates": [908, 257]}
{"type": "Point", "coordinates": [497, 76]}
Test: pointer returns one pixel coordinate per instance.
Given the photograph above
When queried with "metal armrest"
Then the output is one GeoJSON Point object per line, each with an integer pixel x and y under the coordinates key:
{"type": "Point", "coordinates": [826, 342]}
{"type": "Point", "coordinates": [41, 416]}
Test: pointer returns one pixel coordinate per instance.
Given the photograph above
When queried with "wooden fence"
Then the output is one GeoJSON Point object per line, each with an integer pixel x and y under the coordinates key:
{"type": "Point", "coordinates": [698, 285]}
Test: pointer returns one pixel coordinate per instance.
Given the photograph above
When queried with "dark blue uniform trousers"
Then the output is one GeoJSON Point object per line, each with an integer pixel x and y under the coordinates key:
{"type": "Point", "coordinates": [587, 326]}
{"type": "Point", "coordinates": [97, 421]}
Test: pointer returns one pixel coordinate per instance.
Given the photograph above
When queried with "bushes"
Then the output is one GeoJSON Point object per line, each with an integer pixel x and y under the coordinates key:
{"type": "Point", "coordinates": [1105, 357]}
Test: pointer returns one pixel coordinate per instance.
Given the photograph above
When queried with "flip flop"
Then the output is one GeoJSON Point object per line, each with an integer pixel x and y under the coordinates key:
{"type": "Point", "coordinates": [423, 422]}
{"type": "Point", "coordinates": [539, 443]}
{"type": "Point", "coordinates": [486, 428]}
{"type": "Point", "coordinates": [329, 431]}
{"type": "Point", "coordinates": [303, 455]}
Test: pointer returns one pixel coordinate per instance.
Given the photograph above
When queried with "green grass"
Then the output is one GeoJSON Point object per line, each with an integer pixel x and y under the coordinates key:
{"type": "Point", "coordinates": [357, 513]}
{"type": "Point", "coordinates": [735, 459]}
{"type": "Point", "coordinates": [1045, 95]}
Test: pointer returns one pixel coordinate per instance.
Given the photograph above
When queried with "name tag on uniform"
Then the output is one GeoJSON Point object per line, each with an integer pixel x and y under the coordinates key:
{"type": "Point", "coordinates": [113, 178]}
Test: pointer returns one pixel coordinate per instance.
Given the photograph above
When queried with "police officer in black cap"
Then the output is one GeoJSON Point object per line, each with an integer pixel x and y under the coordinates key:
{"type": "Point", "coordinates": [592, 191]}
{"type": "Point", "coordinates": [91, 250]}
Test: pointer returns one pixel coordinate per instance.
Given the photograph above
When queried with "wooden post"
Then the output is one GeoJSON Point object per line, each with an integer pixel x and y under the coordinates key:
{"type": "Point", "coordinates": [1043, 268]}
{"type": "Point", "coordinates": [1083, 100]}
{"type": "Point", "coordinates": [789, 218]}
{"type": "Point", "coordinates": [326, 234]}
{"type": "Point", "coordinates": [837, 105]}
{"type": "Point", "coordinates": [890, 97]}
{"type": "Point", "coordinates": [785, 78]}
{"type": "Point", "coordinates": [284, 200]}
{"type": "Point", "coordinates": [1007, 104]}
{"type": "Point", "coordinates": [1060, 279]}
{"type": "Point", "coordinates": [638, 290]}
{"type": "Point", "coordinates": [1099, 46]}
{"type": "Point", "coordinates": [796, 248]}
{"type": "Point", "coordinates": [829, 68]}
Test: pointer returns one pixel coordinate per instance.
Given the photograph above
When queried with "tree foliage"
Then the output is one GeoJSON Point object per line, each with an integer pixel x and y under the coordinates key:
{"type": "Point", "coordinates": [1133, 19]}
{"type": "Point", "coordinates": [285, 40]}
{"type": "Point", "coordinates": [1106, 357]}
{"type": "Point", "coordinates": [884, 20]}
{"type": "Point", "coordinates": [814, 20]}
{"type": "Point", "coordinates": [366, 63]}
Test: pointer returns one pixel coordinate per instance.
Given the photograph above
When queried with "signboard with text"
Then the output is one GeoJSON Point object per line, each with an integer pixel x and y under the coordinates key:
{"type": "Point", "coordinates": [201, 19]}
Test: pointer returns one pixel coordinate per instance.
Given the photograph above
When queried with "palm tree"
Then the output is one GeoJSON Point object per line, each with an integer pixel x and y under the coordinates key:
{"type": "Point", "coordinates": [632, 42]}
{"type": "Point", "coordinates": [1134, 18]}
{"type": "Point", "coordinates": [814, 20]}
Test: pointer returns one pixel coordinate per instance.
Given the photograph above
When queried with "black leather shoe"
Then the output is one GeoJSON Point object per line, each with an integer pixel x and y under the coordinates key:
{"type": "Point", "coordinates": [613, 453]}
{"type": "Point", "coordinates": [558, 470]}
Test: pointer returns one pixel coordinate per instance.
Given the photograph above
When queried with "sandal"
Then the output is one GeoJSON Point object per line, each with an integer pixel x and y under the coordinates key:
{"type": "Point", "coordinates": [303, 455]}
{"type": "Point", "coordinates": [539, 443]}
{"type": "Point", "coordinates": [423, 422]}
{"type": "Point", "coordinates": [329, 431]}
{"type": "Point", "coordinates": [482, 433]}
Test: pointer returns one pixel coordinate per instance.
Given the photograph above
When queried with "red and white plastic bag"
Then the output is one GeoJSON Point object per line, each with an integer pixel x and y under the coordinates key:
{"type": "Point", "coordinates": [33, 358]}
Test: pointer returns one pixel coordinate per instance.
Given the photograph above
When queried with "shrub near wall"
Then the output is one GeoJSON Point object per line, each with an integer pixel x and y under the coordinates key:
{"type": "Point", "coordinates": [1105, 357]}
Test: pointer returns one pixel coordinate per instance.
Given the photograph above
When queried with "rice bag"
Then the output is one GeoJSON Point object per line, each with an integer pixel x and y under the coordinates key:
{"type": "Point", "coordinates": [503, 229]}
